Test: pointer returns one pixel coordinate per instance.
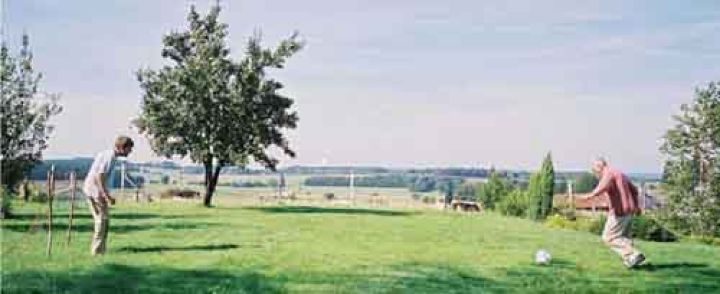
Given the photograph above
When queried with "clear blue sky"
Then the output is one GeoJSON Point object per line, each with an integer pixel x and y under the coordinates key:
{"type": "Point", "coordinates": [407, 83]}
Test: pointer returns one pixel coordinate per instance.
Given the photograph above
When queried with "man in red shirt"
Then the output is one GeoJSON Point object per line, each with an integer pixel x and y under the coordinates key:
{"type": "Point", "coordinates": [623, 205]}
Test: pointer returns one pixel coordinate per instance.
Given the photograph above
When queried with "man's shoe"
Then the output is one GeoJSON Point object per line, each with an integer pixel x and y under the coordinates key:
{"type": "Point", "coordinates": [635, 260]}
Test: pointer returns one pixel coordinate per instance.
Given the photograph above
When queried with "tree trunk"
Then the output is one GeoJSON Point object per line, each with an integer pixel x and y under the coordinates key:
{"type": "Point", "coordinates": [211, 179]}
{"type": "Point", "coordinates": [208, 179]}
{"type": "Point", "coordinates": [25, 190]}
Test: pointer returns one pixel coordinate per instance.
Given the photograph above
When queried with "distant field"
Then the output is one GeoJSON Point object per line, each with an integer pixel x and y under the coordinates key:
{"type": "Point", "coordinates": [386, 197]}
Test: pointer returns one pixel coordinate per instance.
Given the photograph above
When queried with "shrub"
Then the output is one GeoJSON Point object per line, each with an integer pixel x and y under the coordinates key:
{"type": "Point", "coordinates": [39, 196]}
{"type": "Point", "coordinates": [643, 227]}
{"type": "Point", "coordinates": [705, 240]}
{"type": "Point", "coordinates": [184, 193]}
{"type": "Point", "coordinates": [562, 222]}
{"type": "Point", "coordinates": [429, 199]}
{"type": "Point", "coordinates": [514, 204]}
{"type": "Point", "coordinates": [35, 193]}
{"type": "Point", "coordinates": [646, 228]}
{"type": "Point", "coordinates": [5, 203]}
{"type": "Point", "coordinates": [598, 225]}
{"type": "Point", "coordinates": [329, 196]}
{"type": "Point", "coordinates": [566, 211]}
{"type": "Point", "coordinates": [468, 191]}
{"type": "Point", "coordinates": [493, 191]}
{"type": "Point", "coordinates": [559, 222]}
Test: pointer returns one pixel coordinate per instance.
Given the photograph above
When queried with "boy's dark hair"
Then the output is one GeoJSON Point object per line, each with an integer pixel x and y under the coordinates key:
{"type": "Point", "coordinates": [124, 142]}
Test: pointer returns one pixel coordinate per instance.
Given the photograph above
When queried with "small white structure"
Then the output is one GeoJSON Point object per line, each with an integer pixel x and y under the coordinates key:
{"type": "Point", "coordinates": [352, 186]}
{"type": "Point", "coordinates": [282, 186]}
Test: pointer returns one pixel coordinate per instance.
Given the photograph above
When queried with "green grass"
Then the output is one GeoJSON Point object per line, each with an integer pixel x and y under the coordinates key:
{"type": "Point", "coordinates": [174, 247]}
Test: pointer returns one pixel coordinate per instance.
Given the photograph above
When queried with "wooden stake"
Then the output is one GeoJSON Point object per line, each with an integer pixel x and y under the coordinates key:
{"type": "Point", "coordinates": [51, 190]}
{"type": "Point", "coordinates": [122, 179]}
{"type": "Point", "coordinates": [73, 187]}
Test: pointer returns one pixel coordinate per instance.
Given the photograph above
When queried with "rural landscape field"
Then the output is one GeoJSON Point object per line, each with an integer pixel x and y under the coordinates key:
{"type": "Point", "coordinates": [359, 146]}
{"type": "Point", "coordinates": [177, 247]}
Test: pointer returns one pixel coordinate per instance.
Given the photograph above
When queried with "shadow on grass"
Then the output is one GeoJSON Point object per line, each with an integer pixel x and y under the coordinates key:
{"type": "Point", "coordinates": [424, 278]}
{"type": "Point", "coordinates": [560, 277]}
{"type": "Point", "coordinates": [331, 210]}
{"type": "Point", "coordinates": [661, 278]}
{"type": "Point", "coordinates": [180, 248]}
{"type": "Point", "coordinates": [698, 271]}
{"type": "Point", "coordinates": [564, 277]}
{"type": "Point", "coordinates": [670, 266]}
{"type": "Point", "coordinates": [84, 215]}
{"type": "Point", "coordinates": [118, 278]}
{"type": "Point", "coordinates": [114, 228]}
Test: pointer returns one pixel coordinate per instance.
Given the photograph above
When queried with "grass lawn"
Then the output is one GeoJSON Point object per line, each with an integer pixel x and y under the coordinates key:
{"type": "Point", "coordinates": [173, 247]}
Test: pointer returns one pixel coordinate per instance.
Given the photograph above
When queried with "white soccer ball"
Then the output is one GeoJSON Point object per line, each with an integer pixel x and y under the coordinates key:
{"type": "Point", "coordinates": [542, 257]}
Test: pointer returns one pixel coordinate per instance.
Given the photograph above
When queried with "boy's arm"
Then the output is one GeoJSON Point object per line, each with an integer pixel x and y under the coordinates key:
{"type": "Point", "coordinates": [104, 192]}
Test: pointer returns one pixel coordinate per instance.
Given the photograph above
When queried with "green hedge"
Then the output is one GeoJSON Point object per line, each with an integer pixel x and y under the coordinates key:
{"type": "Point", "coordinates": [643, 227]}
{"type": "Point", "coordinates": [646, 228]}
{"type": "Point", "coordinates": [705, 240]}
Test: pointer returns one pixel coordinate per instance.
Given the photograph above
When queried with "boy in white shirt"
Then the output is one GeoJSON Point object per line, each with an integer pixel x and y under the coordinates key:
{"type": "Point", "coordinates": [95, 188]}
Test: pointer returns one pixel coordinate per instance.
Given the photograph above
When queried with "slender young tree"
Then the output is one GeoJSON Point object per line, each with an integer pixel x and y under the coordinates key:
{"type": "Point", "coordinates": [26, 113]}
{"type": "Point", "coordinates": [540, 190]}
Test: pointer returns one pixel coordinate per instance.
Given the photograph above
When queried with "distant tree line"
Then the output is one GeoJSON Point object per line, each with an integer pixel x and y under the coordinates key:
{"type": "Point", "coordinates": [270, 183]}
{"type": "Point", "coordinates": [63, 167]}
{"type": "Point", "coordinates": [134, 181]}
{"type": "Point", "coordinates": [454, 172]}
{"type": "Point", "coordinates": [415, 183]}
{"type": "Point", "coordinates": [251, 184]}
{"type": "Point", "coordinates": [81, 166]}
{"type": "Point", "coordinates": [305, 170]}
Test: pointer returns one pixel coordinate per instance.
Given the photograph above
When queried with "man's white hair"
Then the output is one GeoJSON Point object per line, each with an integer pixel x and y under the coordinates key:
{"type": "Point", "coordinates": [601, 159]}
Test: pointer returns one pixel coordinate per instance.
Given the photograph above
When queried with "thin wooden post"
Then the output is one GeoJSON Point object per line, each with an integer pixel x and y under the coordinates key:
{"type": "Point", "coordinates": [73, 187]}
{"type": "Point", "coordinates": [352, 187]}
{"type": "Point", "coordinates": [571, 195]}
{"type": "Point", "coordinates": [642, 196]}
{"type": "Point", "coordinates": [25, 190]}
{"type": "Point", "coordinates": [122, 178]}
{"type": "Point", "coordinates": [51, 190]}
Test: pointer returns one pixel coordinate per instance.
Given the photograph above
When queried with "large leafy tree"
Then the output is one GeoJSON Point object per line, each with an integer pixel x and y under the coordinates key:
{"type": "Point", "coordinates": [692, 169]}
{"type": "Point", "coordinates": [213, 109]}
{"type": "Point", "coordinates": [26, 112]}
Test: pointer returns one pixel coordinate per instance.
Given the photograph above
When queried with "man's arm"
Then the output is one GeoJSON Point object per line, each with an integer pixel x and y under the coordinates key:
{"type": "Point", "coordinates": [602, 186]}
